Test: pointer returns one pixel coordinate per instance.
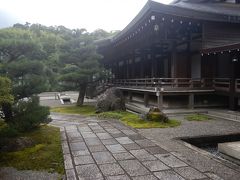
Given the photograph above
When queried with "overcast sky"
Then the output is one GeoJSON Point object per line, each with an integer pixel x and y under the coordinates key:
{"type": "Point", "coordinates": [89, 14]}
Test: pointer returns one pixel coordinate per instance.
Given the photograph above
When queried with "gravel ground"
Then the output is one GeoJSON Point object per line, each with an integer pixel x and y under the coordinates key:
{"type": "Point", "coordinates": [13, 174]}
{"type": "Point", "coordinates": [213, 168]}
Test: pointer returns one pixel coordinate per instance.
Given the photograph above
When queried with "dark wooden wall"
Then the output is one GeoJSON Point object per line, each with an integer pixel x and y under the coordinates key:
{"type": "Point", "coordinates": [220, 34]}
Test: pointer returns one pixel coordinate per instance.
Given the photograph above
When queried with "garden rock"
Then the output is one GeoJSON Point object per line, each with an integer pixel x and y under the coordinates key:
{"type": "Point", "coordinates": [155, 114]}
{"type": "Point", "coordinates": [111, 100]}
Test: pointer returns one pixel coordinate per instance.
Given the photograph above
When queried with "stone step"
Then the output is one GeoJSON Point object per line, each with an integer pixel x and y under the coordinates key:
{"type": "Point", "coordinates": [137, 109]}
{"type": "Point", "coordinates": [227, 115]}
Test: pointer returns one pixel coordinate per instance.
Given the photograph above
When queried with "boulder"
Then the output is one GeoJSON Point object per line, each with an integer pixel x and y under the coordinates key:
{"type": "Point", "coordinates": [155, 114]}
{"type": "Point", "coordinates": [111, 100]}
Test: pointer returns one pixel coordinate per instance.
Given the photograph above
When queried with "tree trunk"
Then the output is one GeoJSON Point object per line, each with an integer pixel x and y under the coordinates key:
{"type": "Point", "coordinates": [7, 110]}
{"type": "Point", "coordinates": [81, 95]}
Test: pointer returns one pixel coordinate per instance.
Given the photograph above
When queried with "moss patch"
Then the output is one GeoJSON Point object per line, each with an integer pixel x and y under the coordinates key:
{"type": "Point", "coordinates": [197, 117]}
{"type": "Point", "coordinates": [83, 110]}
{"type": "Point", "coordinates": [135, 121]}
{"type": "Point", "coordinates": [127, 118]}
{"type": "Point", "coordinates": [46, 154]}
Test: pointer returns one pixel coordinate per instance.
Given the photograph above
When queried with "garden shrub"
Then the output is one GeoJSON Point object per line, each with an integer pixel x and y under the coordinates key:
{"type": "Point", "coordinates": [28, 114]}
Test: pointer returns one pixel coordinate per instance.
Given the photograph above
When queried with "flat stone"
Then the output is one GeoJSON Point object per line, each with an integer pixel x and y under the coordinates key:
{"type": "Point", "coordinates": [213, 176]}
{"type": "Point", "coordinates": [66, 150]}
{"type": "Point", "coordinates": [73, 135]}
{"type": "Point", "coordinates": [147, 177]}
{"type": "Point", "coordinates": [68, 161]}
{"type": "Point", "coordinates": [71, 128]}
{"type": "Point", "coordinates": [123, 156]}
{"type": "Point", "coordinates": [103, 157]}
{"type": "Point", "coordinates": [132, 146]}
{"type": "Point", "coordinates": [155, 150]}
{"type": "Point", "coordinates": [70, 173]}
{"type": "Point", "coordinates": [78, 146]}
{"type": "Point", "coordinates": [113, 131]}
{"type": "Point", "coordinates": [230, 148]}
{"type": "Point", "coordinates": [129, 132]}
{"type": "Point", "coordinates": [84, 129]}
{"type": "Point", "coordinates": [64, 144]}
{"type": "Point", "coordinates": [134, 168]}
{"type": "Point", "coordinates": [155, 165]}
{"type": "Point", "coordinates": [93, 124]}
{"type": "Point", "coordinates": [88, 135]}
{"type": "Point", "coordinates": [109, 141]}
{"type": "Point", "coordinates": [145, 143]}
{"type": "Point", "coordinates": [136, 137]}
{"type": "Point", "coordinates": [63, 136]}
{"type": "Point", "coordinates": [89, 171]}
{"type": "Point", "coordinates": [111, 169]}
{"type": "Point", "coordinates": [142, 155]}
{"type": "Point", "coordinates": [190, 173]}
{"type": "Point", "coordinates": [124, 140]}
{"type": "Point", "coordinates": [79, 160]}
{"type": "Point", "coordinates": [115, 148]}
{"type": "Point", "coordinates": [168, 175]}
{"type": "Point", "coordinates": [118, 135]}
{"type": "Point", "coordinates": [97, 148]}
{"type": "Point", "coordinates": [104, 136]}
{"type": "Point", "coordinates": [121, 177]}
{"type": "Point", "coordinates": [97, 127]}
{"type": "Point", "coordinates": [92, 141]}
{"type": "Point", "coordinates": [170, 160]}
{"type": "Point", "coordinates": [80, 153]}
{"type": "Point", "coordinates": [99, 131]}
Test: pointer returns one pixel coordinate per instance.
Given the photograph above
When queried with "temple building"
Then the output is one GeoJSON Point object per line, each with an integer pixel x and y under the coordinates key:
{"type": "Point", "coordinates": [184, 54]}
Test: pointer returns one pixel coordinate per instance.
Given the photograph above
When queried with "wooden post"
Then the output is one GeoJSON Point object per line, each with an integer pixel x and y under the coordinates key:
{"type": "Point", "coordinates": [173, 61]}
{"type": "Point", "coordinates": [160, 101]}
{"type": "Point", "coordinates": [130, 96]}
{"type": "Point", "coordinates": [191, 101]}
{"type": "Point", "coordinates": [146, 99]}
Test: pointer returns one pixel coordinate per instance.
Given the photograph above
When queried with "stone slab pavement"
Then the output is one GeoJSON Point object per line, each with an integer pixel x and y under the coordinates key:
{"type": "Point", "coordinates": [99, 149]}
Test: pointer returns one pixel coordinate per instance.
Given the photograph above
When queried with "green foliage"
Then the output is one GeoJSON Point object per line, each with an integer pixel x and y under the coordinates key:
{"type": "Point", "coordinates": [6, 130]}
{"type": "Point", "coordinates": [197, 117]}
{"type": "Point", "coordinates": [28, 77]}
{"type": "Point", "coordinates": [5, 91]}
{"type": "Point", "coordinates": [46, 154]}
{"type": "Point", "coordinates": [29, 114]}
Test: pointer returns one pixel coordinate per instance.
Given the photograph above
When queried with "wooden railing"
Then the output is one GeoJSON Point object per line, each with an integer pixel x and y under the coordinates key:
{"type": "Point", "coordinates": [165, 82]}
{"type": "Point", "coordinates": [237, 85]}
{"type": "Point", "coordinates": [221, 84]}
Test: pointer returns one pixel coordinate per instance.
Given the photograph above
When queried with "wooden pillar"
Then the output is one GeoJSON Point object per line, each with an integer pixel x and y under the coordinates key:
{"type": "Point", "coordinates": [232, 99]}
{"type": "Point", "coordinates": [127, 68]}
{"type": "Point", "coordinates": [173, 61]}
{"type": "Point", "coordinates": [130, 96]}
{"type": "Point", "coordinates": [191, 101]}
{"type": "Point", "coordinates": [146, 98]}
{"type": "Point", "coordinates": [160, 100]}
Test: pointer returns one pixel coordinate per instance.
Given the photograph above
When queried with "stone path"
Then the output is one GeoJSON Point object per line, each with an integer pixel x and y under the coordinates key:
{"type": "Point", "coordinates": [98, 149]}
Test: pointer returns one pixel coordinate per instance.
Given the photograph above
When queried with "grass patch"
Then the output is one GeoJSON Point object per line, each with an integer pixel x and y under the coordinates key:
{"type": "Point", "coordinates": [83, 110]}
{"type": "Point", "coordinates": [135, 121]}
{"type": "Point", "coordinates": [46, 154]}
{"type": "Point", "coordinates": [197, 117]}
